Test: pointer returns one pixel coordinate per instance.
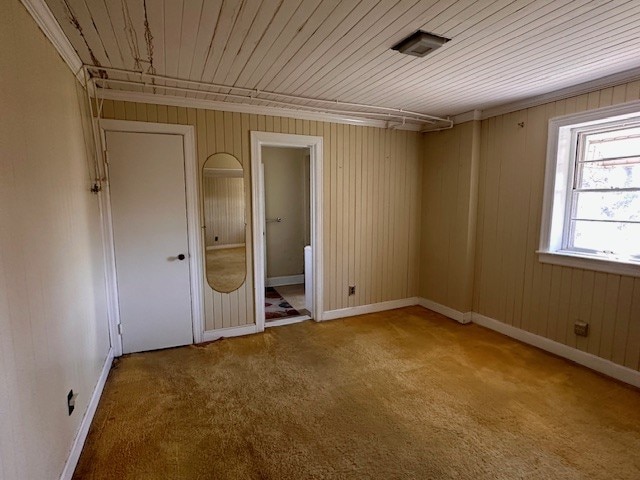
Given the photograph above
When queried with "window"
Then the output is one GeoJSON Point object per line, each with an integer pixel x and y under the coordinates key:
{"type": "Point", "coordinates": [591, 216]}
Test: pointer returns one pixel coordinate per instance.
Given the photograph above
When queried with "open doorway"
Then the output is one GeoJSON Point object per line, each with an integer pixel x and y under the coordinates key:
{"type": "Point", "coordinates": [286, 221]}
{"type": "Point", "coordinates": [287, 232]}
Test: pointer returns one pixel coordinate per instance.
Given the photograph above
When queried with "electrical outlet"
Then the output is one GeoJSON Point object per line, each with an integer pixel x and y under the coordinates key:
{"type": "Point", "coordinates": [581, 328]}
{"type": "Point", "coordinates": [352, 290]}
{"type": "Point", "coordinates": [71, 401]}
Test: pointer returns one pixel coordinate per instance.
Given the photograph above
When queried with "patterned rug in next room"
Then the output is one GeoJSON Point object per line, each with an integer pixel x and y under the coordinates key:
{"type": "Point", "coordinates": [276, 307]}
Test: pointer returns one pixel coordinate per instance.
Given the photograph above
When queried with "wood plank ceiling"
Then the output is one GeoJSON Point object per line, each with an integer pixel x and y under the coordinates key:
{"type": "Point", "coordinates": [501, 50]}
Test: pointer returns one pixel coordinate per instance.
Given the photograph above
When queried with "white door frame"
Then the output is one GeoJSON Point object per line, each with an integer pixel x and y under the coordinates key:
{"type": "Point", "coordinates": [268, 139]}
{"type": "Point", "coordinates": [193, 223]}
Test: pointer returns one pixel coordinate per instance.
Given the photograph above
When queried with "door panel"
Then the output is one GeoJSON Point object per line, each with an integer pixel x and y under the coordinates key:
{"type": "Point", "coordinates": [148, 205]}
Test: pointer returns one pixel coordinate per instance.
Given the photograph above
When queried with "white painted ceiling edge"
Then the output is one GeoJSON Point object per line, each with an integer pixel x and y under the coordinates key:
{"type": "Point", "coordinates": [45, 19]}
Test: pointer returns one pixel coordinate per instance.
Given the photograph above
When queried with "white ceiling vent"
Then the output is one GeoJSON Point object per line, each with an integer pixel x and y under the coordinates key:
{"type": "Point", "coordinates": [420, 43]}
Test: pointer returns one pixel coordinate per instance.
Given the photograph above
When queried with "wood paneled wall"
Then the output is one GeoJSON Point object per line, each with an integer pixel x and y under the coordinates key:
{"type": "Point", "coordinates": [449, 213]}
{"type": "Point", "coordinates": [511, 285]}
{"type": "Point", "coordinates": [224, 203]}
{"type": "Point", "coordinates": [53, 325]}
{"type": "Point", "coordinates": [371, 205]}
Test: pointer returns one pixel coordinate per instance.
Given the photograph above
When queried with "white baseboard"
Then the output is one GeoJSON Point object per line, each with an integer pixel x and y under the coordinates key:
{"type": "Point", "coordinates": [371, 308]}
{"type": "Point", "coordinates": [285, 280]}
{"type": "Point", "coordinates": [286, 321]}
{"type": "Point", "coordinates": [81, 437]}
{"type": "Point", "coordinates": [588, 360]}
{"type": "Point", "coordinates": [446, 311]}
{"type": "Point", "coordinates": [210, 335]}
{"type": "Point", "coordinates": [222, 247]}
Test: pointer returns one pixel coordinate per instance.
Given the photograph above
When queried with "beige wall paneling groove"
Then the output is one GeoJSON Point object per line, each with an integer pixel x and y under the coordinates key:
{"type": "Point", "coordinates": [511, 285]}
{"type": "Point", "coordinates": [357, 215]}
{"type": "Point", "coordinates": [224, 196]}
{"type": "Point", "coordinates": [342, 205]}
{"type": "Point", "coordinates": [448, 218]}
{"type": "Point", "coordinates": [371, 203]}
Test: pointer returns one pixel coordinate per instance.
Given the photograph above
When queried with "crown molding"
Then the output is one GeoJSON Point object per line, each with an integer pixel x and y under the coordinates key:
{"type": "Point", "coordinates": [171, 100]}
{"type": "Point", "coordinates": [564, 93]}
{"type": "Point", "coordinates": [44, 18]}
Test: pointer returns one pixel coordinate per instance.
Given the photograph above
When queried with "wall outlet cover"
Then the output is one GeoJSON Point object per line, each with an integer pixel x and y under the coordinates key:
{"type": "Point", "coordinates": [581, 328]}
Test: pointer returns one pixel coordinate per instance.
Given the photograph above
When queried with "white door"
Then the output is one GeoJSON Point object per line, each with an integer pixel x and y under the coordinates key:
{"type": "Point", "coordinates": [148, 208]}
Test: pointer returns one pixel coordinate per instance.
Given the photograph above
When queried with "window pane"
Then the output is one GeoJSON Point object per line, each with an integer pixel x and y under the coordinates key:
{"type": "Point", "coordinates": [617, 143]}
{"type": "Point", "coordinates": [623, 206]}
{"type": "Point", "coordinates": [620, 238]}
{"type": "Point", "coordinates": [612, 174]}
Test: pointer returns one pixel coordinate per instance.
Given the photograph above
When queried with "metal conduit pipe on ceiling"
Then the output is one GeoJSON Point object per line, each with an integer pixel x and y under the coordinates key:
{"type": "Point", "coordinates": [100, 79]}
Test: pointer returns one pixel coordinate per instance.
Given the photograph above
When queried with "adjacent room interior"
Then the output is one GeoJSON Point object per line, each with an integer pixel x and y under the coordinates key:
{"type": "Point", "coordinates": [287, 232]}
{"type": "Point", "coordinates": [319, 239]}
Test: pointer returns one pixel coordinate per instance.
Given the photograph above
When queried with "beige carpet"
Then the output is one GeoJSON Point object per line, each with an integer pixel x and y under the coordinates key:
{"type": "Point", "coordinates": [405, 394]}
{"type": "Point", "coordinates": [226, 268]}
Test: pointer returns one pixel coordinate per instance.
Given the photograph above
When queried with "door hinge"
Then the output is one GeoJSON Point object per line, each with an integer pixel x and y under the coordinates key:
{"type": "Point", "coordinates": [119, 329]}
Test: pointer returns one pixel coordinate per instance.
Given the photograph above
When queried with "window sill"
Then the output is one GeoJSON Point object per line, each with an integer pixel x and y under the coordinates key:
{"type": "Point", "coordinates": [567, 259]}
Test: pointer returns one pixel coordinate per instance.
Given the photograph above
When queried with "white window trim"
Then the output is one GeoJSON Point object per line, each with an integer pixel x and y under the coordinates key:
{"type": "Point", "coordinates": [562, 140]}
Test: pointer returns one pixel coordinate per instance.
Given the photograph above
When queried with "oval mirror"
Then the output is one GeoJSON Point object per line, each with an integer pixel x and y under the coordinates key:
{"type": "Point", "coordinates": [224, 221]}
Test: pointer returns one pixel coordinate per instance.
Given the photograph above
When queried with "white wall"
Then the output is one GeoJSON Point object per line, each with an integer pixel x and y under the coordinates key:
{"type": "Point", "coordinates": [53, 328]}
{"type": "Point", "coordinates": [284, 179]}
